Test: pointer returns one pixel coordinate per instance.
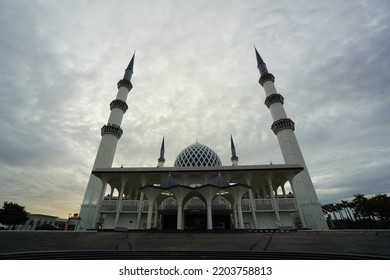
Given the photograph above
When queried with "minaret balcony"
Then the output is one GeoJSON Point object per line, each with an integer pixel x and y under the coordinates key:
{"type": "Point", "coordinates": [234, 158]}
{"type": "Point", "coordinates": [125, 83]}
{"type": "Point", "coordinates": [112, 129]}
{"type": "Point", "coordinates": [274, 98]}
{"type": "Point", "coordinates": [266, 77]}
{"type": "Point", "coordinates": [282, 124]}
{"type": "Point", "coordinates": [120, 104]}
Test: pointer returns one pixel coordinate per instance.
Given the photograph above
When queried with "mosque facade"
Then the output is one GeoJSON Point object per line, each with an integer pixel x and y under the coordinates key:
{"type": "Point", "coordinates": [198, 192]}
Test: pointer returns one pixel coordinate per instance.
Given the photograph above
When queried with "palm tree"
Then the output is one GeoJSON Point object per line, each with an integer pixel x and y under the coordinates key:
{"type": "Point", "coordinates": [361, 207]}
{"type": "Point", "coordinates": [346, 205]}
{"type": "Point", "coordinates": [340, 207]}
{"type": "Point", "coordinates": [325, 208]}
{"type": "Point", "coordinates": [333, 210]}
{"type": "Point", "coordinates": [379, 207]}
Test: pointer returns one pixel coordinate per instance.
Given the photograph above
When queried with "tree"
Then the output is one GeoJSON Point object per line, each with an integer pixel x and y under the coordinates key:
{"type": "Point", "coordinates": [339, 208]}
{"type": "Point", "coordinates": [367, 212]}
{"type": "Point", "coordinates": [380, 207]}
{"type": "Point", "coordinates": [360, 203]}
{"type": "Point", "coordinates": [346, 206]}
{"type": "Point", "coordinates": [13, 214]}
{"type": "Point", "coordinates": [325, 208]}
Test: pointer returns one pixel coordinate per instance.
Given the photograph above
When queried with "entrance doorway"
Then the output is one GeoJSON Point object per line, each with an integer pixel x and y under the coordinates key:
{"type": "Point", "coordinates": [169, 222]}
{"type": "Point", "coordinates": [195, 221]}
{"type": "Point", "coordinates": [221, 221]}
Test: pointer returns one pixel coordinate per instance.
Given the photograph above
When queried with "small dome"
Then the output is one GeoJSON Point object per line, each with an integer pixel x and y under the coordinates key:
{"type": "Point", "coordinates": [197, 155]}
{"type": "Point", "coordinates": [220, 181]}
{"type": "Point", "coordinates": [168, 182]}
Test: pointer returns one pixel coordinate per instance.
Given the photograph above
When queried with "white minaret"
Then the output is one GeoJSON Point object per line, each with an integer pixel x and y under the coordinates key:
{"type": "Point", "coordinates": [111, 132]}
{"type": "Point", "coordinates": [307, 201]}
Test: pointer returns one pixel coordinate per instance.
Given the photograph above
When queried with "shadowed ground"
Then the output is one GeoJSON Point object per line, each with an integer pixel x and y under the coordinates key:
{"type": "Point", "coordinates": [374, 242]}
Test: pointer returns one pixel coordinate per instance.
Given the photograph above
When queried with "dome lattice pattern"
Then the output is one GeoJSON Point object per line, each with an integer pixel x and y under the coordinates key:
{"type": "Point", "coordinates": [197, 155]}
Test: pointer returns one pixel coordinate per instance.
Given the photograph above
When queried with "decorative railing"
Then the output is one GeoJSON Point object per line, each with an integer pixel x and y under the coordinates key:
{"type": "Point", "coordinates": [274, 98]}
{"type": "Point", "coordinates": [145, 206]}
{"type": "Point", "coordinates": [282, 124]}
{"type": "Point", "coordinates": [266, 77]}
{"type": "Point", "coordinates": [120, 104]}
{"type": "Point", "coordinates": [286, 204]}
{"type": "Point", "coordinates": [196, 204]}
{"type": "Point", "coordinates": [260, 205]}
{"type": "Point", "coordinates": [125, 83]}
{"type": "Point", "coordinates": [131, 206]}
{"type": "Point", "coordinates": [263, 204]}
{"type": "Point", "coordinates": [246, 205]}
{"type": "Point", "coordinates": [112, 129]}
{"type": "Point", "coordinates": [108, 206]}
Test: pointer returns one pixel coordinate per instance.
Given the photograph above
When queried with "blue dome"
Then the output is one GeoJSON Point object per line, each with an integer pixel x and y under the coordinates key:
{"type": "Point", "coordinates": [197, 155]}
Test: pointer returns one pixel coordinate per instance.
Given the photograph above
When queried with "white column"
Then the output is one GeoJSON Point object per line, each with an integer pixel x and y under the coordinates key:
{"type": "Point", "coordinates": [284, 191]}
{"type": "Point", "coordinates": [182, 218]}
{"type": "Point", "coordinates": [119, 205]}
{"type": "Point", "coordinates": [159, 221]}
{"type": "Point", "coordinates": [179, 216]}
{"type": "Point", "coordinates": [112, 192]}
{"type": "Point", "coordinates": [253, 207]}
{"type": "Point", "coordinates": [150, 213]}
{"type": "Point", "coordinates": [156, 214]}
{"type": "Point", "coordinates": [99, 204]}
{"type": "Point", "coordinates": [235, 216]}
{"type": "Point", "coordinates": [141, 203]}
{"type": "Point", "coordinates": [277, 216]}
{"type": "Point", "coordinates": [152, 194]}
{"type": "Point", "coordinates": [240, 217]}
{"type": "Point", "coordinates": [209, 216]}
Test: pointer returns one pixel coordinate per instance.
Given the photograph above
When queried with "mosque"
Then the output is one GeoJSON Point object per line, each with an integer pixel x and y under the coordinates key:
{"type": "Point", "coordinates": [198, 192]}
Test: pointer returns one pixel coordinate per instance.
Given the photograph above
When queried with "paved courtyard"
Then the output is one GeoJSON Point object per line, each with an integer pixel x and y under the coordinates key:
{"type": "Point", "coordinates": [362, 242]}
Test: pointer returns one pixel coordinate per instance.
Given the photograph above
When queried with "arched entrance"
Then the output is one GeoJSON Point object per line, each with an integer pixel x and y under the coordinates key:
{"type": "Point", "coordinates": [222, 213]}
{"type": "Point", "coordinates": [194, 215]}
{"type": "Point", "coordinates": [168, 211]}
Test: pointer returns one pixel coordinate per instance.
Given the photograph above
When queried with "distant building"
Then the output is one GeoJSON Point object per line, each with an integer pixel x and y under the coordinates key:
{"type": "Point", "coordinates": [35, 220]}
{"type": "Point", "coordinates": [198, 192]}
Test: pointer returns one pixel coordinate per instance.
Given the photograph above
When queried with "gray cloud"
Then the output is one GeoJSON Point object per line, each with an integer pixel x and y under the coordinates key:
{"type": "Point", "coordinates": [195, 78]}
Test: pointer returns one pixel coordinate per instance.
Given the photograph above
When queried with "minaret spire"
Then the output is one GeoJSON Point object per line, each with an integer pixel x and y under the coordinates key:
{"type": "Point", "coordinates": [161, 160]}
{"type": "Point", "coordinates": [308, 204]}
{"type": "Point", "coordinates": [261, 64]}
{"type": "Point", "coordinates": [129, 70]}
{"type": "Point", "coordinates": [234, 157]}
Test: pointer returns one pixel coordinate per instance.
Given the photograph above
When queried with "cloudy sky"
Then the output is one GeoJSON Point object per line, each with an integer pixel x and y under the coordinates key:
{"type": "Point", "coordinates": [195, 77]}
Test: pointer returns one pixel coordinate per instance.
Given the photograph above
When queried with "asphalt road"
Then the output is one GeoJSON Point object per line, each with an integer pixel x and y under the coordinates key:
{"type": "Point", "coordinates": [359, 242]}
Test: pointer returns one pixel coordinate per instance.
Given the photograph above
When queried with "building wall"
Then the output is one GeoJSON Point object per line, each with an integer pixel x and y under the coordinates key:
{"type": "Point", "coordinates": [126, 220]}
{"type": "Point", "coordinates": [35, 220]}
{"type": "Point", "coordinates": [265, 220]}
